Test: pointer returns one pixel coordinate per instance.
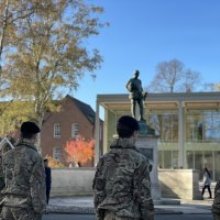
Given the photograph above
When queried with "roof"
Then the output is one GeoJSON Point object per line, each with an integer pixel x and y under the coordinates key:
{"type": "Point", "coordinates": [162, 101]}
{"type": "Point", "coordinates": [180, 96]}
{"type": "Point", "coordinates": [86, 109]}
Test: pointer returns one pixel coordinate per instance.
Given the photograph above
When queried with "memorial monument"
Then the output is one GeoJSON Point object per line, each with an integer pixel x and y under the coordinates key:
{"type": "Point", "coordinates": [137, 96]}
{"type": "Point", "coordinates": [147, 140]}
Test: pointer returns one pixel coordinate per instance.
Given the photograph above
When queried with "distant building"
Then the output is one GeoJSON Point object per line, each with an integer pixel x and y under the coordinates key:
{"type": "Point", "coordinates": [188, 125]}
{"type": "Point", "coordinates": [74, 118]}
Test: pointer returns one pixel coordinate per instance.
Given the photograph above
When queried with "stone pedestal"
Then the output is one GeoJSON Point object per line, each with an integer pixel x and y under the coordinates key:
{"type": "Point", "coordinates": [147, 143]}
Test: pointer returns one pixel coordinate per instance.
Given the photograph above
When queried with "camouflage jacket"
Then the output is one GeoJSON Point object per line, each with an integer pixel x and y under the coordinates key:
{"type": "Point", "coordinates": [24, 178]}
{"type": "Point", "coordinates": [216, 201]}
{"type": "Point", "coordinates": [122, 183]}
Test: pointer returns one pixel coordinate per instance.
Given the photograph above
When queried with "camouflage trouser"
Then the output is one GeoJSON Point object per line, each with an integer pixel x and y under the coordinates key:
{"type": "Point", "coordinates": [216, 217]}
{"type": "Point", "coordinates": [19, 214]}
{"type": "Point", "coordinates": [112, 216]}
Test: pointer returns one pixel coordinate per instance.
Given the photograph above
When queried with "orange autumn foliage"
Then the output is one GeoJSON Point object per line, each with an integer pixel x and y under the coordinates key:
{"type": "Point", "coordinates": [53, 163]}
{"type": "Point", "coordinates": [79, 150]}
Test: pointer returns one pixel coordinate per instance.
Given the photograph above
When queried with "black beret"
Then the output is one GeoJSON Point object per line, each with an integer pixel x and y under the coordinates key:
{"type": "Point", "coordinates": [29, 127]}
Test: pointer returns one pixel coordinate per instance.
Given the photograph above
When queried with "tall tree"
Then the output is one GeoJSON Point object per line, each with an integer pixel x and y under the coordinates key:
{"type": "Point", "coordinates": [191, 79]}
{"type": "Point", "coordinates": [208, 87]}
{"type": "Point", "coordinates": [50, 52]}
{"type": "Point", "coordinates": [171, 76]}
{"type": "Point", "coordinates": [12, 12]}
{"type": "Point", "coordinates": [12, 114]}
{"type": "Point", "coordinates": [168, 74]}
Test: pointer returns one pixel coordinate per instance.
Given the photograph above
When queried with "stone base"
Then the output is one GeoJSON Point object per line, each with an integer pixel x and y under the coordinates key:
{"type": "Point", "coordinates": [167, 201]}
{"type": "Point", "coordinates": [180, 183]}
{"type": "Point", "coordinates": [147, 144]}
{"type": "Point", "coordinates": [145, 129]}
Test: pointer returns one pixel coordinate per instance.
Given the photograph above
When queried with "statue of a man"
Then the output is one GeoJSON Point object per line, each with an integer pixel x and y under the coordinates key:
{"type": "Point", "coordinates": [137, 95]}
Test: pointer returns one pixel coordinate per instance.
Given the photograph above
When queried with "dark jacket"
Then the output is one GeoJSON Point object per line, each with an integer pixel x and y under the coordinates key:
{"type": "Point", "coordinates": [48, 177]}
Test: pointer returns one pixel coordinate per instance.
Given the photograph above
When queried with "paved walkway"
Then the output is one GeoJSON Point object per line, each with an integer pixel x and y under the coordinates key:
{"type": "Point", "coordinates": [165, 206]}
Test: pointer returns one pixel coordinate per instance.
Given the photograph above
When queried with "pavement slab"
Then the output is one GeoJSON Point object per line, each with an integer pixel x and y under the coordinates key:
{"type": "Point", "coordinates": [84, 205]}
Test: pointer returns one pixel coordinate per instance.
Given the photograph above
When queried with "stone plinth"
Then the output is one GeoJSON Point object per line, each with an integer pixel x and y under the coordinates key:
{"type": "Point", "coordinates": [180, 183]}
{"type": "Point", "coordinates": [147, 144]}
{"type": "Point", "coordinates": [145, 130]}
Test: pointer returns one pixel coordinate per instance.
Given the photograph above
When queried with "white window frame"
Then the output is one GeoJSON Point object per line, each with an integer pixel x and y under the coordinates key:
{"type": "Point", "coordinates": [75, 128]}
{"type": "Point", "coordinates": [57, 154]}
{"type": "Point", "coordinates": [57, 130]}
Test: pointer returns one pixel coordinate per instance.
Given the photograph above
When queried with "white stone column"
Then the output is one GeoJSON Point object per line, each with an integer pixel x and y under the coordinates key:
{"type": "Point", "coordinates": [97, 134]}
{"type": "Point", "coordinates": [181, 135]}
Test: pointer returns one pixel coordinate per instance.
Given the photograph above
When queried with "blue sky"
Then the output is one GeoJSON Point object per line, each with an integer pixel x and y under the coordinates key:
{"type": "Point", "coordinates": [143, 33]}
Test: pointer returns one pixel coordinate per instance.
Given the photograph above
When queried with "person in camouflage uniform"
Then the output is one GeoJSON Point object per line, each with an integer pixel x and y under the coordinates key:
{"type": "Point", "coordinates": [122, 188]}
{"type": "Point", "coordinates": [216, 202]}
{"type": "Point", "coordinates": [2, 184]}
{"type": "Point", "coordinates": [4, 148]}
{"type": "Point", "coordinates": [24, 194]}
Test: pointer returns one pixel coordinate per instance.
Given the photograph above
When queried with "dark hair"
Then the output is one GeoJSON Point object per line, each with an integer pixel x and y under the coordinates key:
{"type": "Point", "coordinates": [45, 160]}
{"type": "Point", "coordinates": [29, 129]}
{"type": "Point", "coordinates": [126, 126]}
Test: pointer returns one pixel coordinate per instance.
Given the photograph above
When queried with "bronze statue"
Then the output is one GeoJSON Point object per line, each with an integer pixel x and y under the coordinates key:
{"type": "Point", "coordinates": [137, 95]}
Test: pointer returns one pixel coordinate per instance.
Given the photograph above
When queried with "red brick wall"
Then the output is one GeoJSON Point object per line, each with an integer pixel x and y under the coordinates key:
{"type": "Point", "coordinates": [68, 115]}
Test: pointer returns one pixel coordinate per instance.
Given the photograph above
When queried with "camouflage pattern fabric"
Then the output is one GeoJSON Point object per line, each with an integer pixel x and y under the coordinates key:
{"type": "Point", "coordinates": [2, 183]}
{"type": "Point", "coordinates": [122, 183]}
{"type": "Point", "coordinates": [24, 178]}
{"type": "Point", "coordinates": [216, 202]}
{"type": "Point", "coordinates": [112, 216]}
{"type": "Point", "coordinates": [19, 214]}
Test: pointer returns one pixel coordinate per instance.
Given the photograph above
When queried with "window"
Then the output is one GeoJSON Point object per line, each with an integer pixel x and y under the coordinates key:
{"type": "Point", "coordinates": [200, 159]}
{"type": "Point", "coordinates": [168, 159]}
{"type": "Point", "coordinates": [165, 124]}
{"type": "Point", "coordinates": [57, 130]}
{"type": "Point", "coordinates": [75, 130]}
{"type": "Point", "coordinates": [211, 126]}
{"type": "Point", "coordinates": [203, 126]}
{"type": "Point", "coordinates": [57, 153]}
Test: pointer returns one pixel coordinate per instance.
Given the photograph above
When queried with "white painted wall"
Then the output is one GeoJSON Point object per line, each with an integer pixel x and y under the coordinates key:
{"type": "Point", "coordinates": [72, 181]}
{"type": "Point", "coordinates": [181, 183]}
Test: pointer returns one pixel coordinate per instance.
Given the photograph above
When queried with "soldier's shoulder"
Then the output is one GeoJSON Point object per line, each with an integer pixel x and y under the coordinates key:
{"type": "Point", "coordinates": [135, 151]}
{"type": "Point", "coordinates": [27, 147]}
{"type": "Point", "coordinates": [103, 157]}
{"type": "Point", "coordinates": [28, 150]}
{"type": "Point", "coordinates": [8, 155]}
{"type": "Point", "coordinates": [139, 156]}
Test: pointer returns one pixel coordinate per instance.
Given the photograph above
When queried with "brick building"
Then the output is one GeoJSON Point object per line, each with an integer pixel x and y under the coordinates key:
{"type": "Point", "coordinates": [74, 118]}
